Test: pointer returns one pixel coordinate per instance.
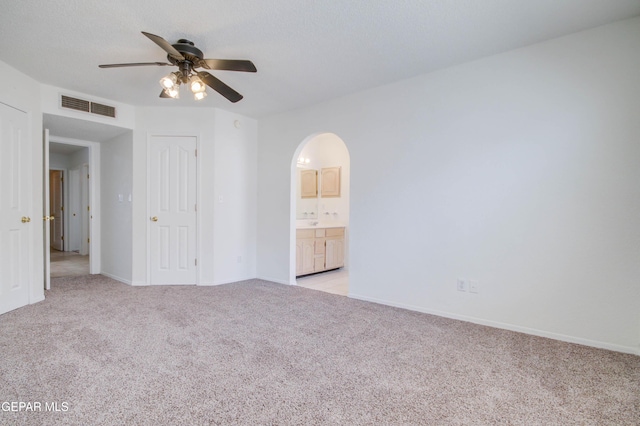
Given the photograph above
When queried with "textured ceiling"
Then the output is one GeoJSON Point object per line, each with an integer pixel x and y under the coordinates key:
{"type": "Point", "coordinates": [305, 51]}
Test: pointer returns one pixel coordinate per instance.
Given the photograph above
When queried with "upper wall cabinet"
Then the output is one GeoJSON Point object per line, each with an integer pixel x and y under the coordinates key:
{"type": "Point", "coordinates": [331, 182]}
{"type": "Point", "coordinates": [309, 183]}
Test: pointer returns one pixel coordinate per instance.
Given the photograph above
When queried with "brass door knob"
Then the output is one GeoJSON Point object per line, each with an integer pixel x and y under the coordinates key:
{"type": "Point", "coordinates": [154, 219]}
{"type": "Point", "coordinates": [26, 219]}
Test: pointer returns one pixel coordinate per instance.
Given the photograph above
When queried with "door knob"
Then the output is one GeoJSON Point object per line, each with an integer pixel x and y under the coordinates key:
{"type": "Point", "coordinates": [26, 219]}
{"type": "Point", "coordinates": [52, 217]}
{"type": "Point", "coordinates": [154, 219]}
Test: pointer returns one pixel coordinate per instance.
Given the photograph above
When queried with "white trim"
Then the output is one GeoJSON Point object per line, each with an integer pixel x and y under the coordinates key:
{"type": "Point", "coordinates": [275, 280]}
{"type": "Point", "coordinates": [504, 326]}
{"type": "Point", "coordinates": [198, 215]}
{"type": "Point", "coordinates": [117, 278]}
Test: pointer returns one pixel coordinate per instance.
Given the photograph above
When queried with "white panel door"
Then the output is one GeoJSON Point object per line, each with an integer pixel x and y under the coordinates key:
{"type": "Point", "coordinates": [85, 208]}
{"type": "Point", "coordinates": [74, 230]}
{"type": "Point", "coordinates": [172, 201]}
{"type": "Point", "coordinates": [15, 222]}
{"type": "Point", "coordinates": [45, 212]}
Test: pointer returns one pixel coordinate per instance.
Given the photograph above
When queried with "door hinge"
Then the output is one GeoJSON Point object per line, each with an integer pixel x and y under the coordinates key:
{"type": "Point", "coordinates": [61, 208]}
{"type": "Point", "coordinates": [196, 262]}
{"type": "Point", "coordinates": [88, 240]}
{"type": "Point", "coordinates": [62, 238]}
{"type": "Point", "coordinates": [62, 179]}
{"type": "Point", "coordinates": [88, 208]}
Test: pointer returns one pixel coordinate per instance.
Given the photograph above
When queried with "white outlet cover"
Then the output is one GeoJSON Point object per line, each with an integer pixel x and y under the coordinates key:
{"type": "Point", "coordinates": [473, 287]}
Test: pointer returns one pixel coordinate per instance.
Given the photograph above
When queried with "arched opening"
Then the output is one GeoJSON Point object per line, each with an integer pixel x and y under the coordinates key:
{"type": "Point", "coordinates": [320, 199]}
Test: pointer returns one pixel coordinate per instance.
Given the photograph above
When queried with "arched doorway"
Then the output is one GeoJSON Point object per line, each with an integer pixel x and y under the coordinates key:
{"type": "Point", "coordinates": [320, 199]}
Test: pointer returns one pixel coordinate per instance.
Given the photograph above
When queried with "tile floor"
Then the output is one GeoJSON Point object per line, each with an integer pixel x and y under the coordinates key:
{"type": "Point", "coordinates": [336, 282]}
{"type": "Point", "coordinates": [68, 264]}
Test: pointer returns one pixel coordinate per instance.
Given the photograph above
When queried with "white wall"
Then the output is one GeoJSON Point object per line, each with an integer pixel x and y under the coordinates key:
{"type": "Point", "coordinates": [519, 171]}
{"type": "Point", "coordinates": [22, 92]}
{"type": "Point", "coordinates": [235, 180]}
{"type": "Point", "coordinates": [69, 161]}
{"type": "Point", "coordinates": [227, 168]}
{"type": "Point", "coordinates": [116, 164]}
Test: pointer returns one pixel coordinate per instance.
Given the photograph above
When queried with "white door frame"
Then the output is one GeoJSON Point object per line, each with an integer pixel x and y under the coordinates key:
{"type": "Point", "coordinates": [94, 196]}
{"type": "Point", "coordinates": [46, 240]}
{"type": "Point", "coordinates": [150, 136]}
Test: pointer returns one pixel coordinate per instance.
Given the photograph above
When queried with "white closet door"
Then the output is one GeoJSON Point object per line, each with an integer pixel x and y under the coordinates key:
{"type": "Point", "coordinates": [172, 200]}
{"type": "Point", "coordinates": [15, 221]}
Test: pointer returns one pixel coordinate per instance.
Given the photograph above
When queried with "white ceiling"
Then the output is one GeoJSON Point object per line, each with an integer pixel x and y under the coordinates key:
{"type": "Point", "coordinates": [305, 51]}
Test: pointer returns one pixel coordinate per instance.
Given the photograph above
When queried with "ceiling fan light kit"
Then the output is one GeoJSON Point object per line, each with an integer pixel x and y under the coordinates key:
{"type": "Point", "coordinates": [187, 58]}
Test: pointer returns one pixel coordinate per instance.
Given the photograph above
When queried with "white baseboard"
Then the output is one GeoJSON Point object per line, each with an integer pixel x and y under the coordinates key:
{"type": "Point", "coordinates": [274, 280]}
{"type": "Point", "coordinates": [117, 278]}
{"type": "Point", "coordinates": [506, 326]}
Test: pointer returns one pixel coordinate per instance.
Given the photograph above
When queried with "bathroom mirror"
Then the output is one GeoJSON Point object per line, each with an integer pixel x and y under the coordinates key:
{"type": "Point", "coordinates": [307, 194]}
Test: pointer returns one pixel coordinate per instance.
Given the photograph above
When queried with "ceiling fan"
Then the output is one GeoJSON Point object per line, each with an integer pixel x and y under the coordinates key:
{"type": "Point", "coordinates": [187, 58]}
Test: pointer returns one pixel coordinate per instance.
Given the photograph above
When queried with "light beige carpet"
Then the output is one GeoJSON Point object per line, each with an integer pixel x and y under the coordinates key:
{"type": "Point", "coordinates": [259, 353]}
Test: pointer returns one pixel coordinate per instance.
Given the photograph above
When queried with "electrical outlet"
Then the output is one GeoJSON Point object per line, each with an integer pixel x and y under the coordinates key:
{"type": "Point", "coordinates": [462, 285]}
{"type": "Point", "coordinates": [473, 286]}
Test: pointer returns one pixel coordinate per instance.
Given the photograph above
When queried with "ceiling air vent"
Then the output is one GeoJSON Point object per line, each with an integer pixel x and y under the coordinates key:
{"type": "Point", "coordinates": [87, 106]}
{"type": "Point", "coordinates": [105, 110]}
{"type": "Point", "coordinates": [75, 103]}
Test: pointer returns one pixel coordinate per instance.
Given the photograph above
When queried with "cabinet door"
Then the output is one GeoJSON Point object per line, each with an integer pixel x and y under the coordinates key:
{"type": "Point", "coordinates": [298, 257]}
{"type": "Point", "coordinates": [309, 183]}
{"type": "Point", "coordinates": [331, 182]}
{"type": "Point", "coordinates": [334, 253]}
{"type": "Point", "coordinates": [308, 256]}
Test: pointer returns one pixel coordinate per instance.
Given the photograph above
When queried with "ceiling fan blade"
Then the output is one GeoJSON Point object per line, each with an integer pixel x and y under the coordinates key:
{"type": "Point", "coordinates": [228, 65]}
{"type": "Point", "coordinates": [163, 94]}
{"type": "Point", "coordinates": [164, 44]}
{"type": "Point", "coordinates": [220, 87]}
{"type": "Point", "coordinates": [135, 64]}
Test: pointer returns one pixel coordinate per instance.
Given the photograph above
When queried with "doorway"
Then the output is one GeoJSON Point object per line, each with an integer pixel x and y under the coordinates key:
{"type": "Point", "coordinates": [323, 155]}
{"type": "Point", "coordinates": [70, 199]}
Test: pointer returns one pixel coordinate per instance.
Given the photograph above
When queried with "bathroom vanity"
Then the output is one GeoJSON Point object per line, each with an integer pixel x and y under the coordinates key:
{"type": "Point", "coordinates": [319, 249]}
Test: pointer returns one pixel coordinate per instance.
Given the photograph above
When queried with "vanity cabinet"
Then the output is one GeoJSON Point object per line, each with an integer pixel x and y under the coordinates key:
{"type": "Point", "coordinates": [319, 249]}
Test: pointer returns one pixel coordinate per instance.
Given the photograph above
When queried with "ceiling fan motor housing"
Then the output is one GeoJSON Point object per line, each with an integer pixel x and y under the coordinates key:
{"type": "Point", "coordinates": [192, 56]}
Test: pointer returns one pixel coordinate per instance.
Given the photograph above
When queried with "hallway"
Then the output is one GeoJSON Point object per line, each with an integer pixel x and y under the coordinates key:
{"type": "Point", "coordinates": [68, 264]}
